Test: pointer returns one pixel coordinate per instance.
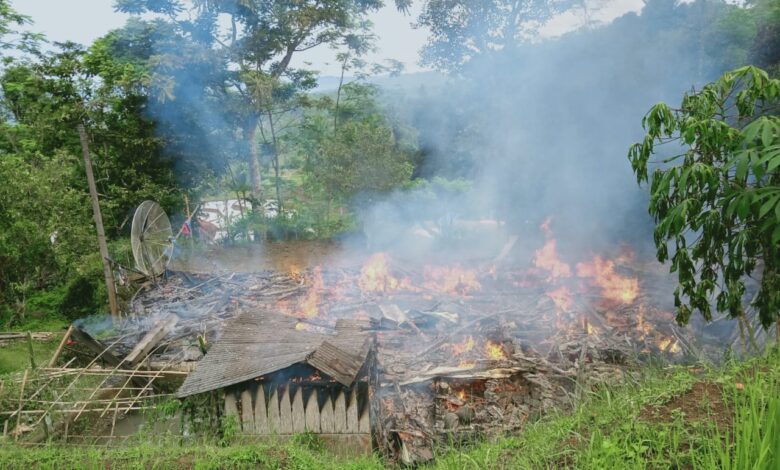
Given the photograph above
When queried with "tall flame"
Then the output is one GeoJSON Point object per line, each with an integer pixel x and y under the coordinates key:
{"type": "Point", "coordinates": [309, 306]}
{"type": "Point", "coordinates": [613, 286]}
{"type": "Point", "coordinates": [546, 258]}
{"type": "Point", "coordinates": [375, 275]}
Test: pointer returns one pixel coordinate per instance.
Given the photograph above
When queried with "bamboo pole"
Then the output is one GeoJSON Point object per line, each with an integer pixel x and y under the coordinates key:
{"type": "Point", "coordinates": [113, 421]}
{"type": "Point", "coordinates": [21, 403]}
{"type": "Point", "coordinates": [88, 410]}
{"type": "Point", "coordinates": [58, 351]}
{"type": "Point", "coordinates": [148, 385]}
{"type": "Point", "coordinates": [61, 371]}
{"type": "Point", "coordinates": [101, 235]}
{"type": "Point", "coordinates": [78, 375]}
{"type": "Point", "coordinates": [30, 350]}
{"type": "Point", "coordinates": [41, 388]}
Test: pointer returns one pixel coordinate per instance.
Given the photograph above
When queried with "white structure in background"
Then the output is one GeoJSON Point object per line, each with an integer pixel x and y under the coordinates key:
{"type": "Point", "coordinates": [223, 213]}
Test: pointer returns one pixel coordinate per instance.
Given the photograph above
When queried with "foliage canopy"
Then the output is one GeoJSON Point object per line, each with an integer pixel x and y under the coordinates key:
{"type": "Point", "coordinates": [718, 202]}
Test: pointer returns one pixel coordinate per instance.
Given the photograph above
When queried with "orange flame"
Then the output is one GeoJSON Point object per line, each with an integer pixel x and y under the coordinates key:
{"type": "Point", "coordinates": [546, 258]}
{"type": "Point", "coordinates": [309, 306]}
{"type": "Point", "coordinates": [462, 395]}
{"type": "Point", "coordinates": [613, 286]}
{"type": "Point", "coordinates": [494, 351]}
{"type": "Point", "coordinates": [669, 345]}
{"type": "Point", "coordinates": [466, 364]}
{"type": "Point", "coordinates": [561, 297]}
{"type": "Point", "coordinates": [452, 280]}
{"type": "Point", "coordinates": [466, 346]}
{"type": "Point", "coordinates": [375, 275]}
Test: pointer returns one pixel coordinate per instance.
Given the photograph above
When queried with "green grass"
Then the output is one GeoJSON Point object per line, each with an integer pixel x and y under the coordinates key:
{"type": "Point", "coordinates": [15, 355]}
{"type": "Point", "coordinates": [631, 426]}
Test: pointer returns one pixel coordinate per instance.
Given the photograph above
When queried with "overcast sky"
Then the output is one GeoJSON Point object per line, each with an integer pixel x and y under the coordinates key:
{"type": "Point", "coordinates": [83, 21]}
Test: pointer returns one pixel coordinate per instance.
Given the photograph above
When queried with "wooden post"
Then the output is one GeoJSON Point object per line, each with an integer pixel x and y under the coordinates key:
{"type": "Point", "coordinates": [30, 349]}
{"type": "Point", "coordinates": [58, 352]}
{"type": "Point", "coordinates": [101, 235]}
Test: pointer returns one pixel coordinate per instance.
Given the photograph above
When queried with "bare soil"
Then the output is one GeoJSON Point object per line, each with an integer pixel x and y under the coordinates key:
{"type": "Point", "coordinates": [703, 402]}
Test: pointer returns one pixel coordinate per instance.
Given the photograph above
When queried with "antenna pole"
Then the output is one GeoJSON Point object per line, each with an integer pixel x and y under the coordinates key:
{"type": "Point", "coordinates": [101, 235]}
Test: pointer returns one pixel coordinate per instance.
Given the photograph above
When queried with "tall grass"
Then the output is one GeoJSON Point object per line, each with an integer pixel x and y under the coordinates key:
{"type": "Point", "coordinates": [753, 443]}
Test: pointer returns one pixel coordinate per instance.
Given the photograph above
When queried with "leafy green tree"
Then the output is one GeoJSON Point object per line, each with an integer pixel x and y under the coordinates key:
{"type": "Point", "coordinates": [765, 50]}
{"type": "Point", "coordinates": [46, 230]}
{"type": "Point", "coordinates": [47, 96]}
{"type": "Point", "coordinates": [717, 204]}
{"type": "Point", "coordinates": [255, 52]}
{"type": "Point", "coordinates": [365, 156]}
{"type": "Point", "coordinates": [463, 29]}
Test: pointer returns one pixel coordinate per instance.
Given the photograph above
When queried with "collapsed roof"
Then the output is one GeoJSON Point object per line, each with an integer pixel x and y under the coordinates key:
{"type": "Point", "coordinates": [255, 344]}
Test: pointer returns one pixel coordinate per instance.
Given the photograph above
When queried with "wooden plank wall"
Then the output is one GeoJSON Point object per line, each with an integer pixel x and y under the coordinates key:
{"type": "Point", "coordinates": [263, 409]}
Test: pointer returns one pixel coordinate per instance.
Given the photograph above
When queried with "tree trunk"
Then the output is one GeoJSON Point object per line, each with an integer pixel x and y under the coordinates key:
{"type": "Point", "coordinates": [275, 144]}
{"type": "Point", "coordinates": [338, 94]}
{"type": "Point", "coordinates": [250, 133]}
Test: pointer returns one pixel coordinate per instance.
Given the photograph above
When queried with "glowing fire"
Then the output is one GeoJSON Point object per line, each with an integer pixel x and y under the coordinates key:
{"type": "Point", "coordinates": [669, 345]}
{"type": "Point", "coordinates": [613, 286]}
{"type": "Point", "coordinates": [494, 351]}
{"type": "Point", "coordinates": [561, 297]}
{"type": "Point", "coordinates": [466, 365]}
{"type": "Point", "coordinates": [466, 346]}
{"type": "Point", "coordinates": [462, 395]}
{"type": "Point", "coordinates": [309, 306]}
{"type": "Point", "coordinates": [452, 280]}
{"type": "Point", "coordinates": [375, 275]}
{"type": "Point", "coordinates": [546, 258]}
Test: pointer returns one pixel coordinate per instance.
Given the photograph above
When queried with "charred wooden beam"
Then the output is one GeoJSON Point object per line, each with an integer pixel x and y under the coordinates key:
{"type": "Point", "coordinates": [151, 340]}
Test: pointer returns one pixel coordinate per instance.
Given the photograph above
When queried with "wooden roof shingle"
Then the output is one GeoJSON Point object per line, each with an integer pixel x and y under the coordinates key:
{"type": "Point", "coordinates": [255, 344]}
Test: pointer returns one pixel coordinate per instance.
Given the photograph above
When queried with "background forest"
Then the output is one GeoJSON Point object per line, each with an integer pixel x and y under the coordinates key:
{"type": "Point", "coordinates": [191, 107]}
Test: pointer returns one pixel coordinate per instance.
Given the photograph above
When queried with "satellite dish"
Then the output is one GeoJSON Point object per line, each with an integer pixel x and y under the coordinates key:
{"type": "Point", "coordinates": [151, 238]}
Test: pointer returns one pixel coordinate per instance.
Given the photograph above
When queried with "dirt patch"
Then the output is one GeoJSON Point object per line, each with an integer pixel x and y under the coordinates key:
{"type": "Point", "coordinates": [703, 402]}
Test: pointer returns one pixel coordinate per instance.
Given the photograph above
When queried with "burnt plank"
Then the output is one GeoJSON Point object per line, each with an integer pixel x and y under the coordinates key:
{"type": "Point", "coordinates": [313, 412]}
{"type": "Point", "coordinates": [336, 362]}
{"type": "Point", "coordinates": [261, 413]}
{"type": "Point", "coordinates": [285, 412]}
{"type": "Point", "coordinates": [231, 404]}
{"type": "Point", "coordinates": [247, 412]}
{"type": "Point", "coordinates": [327, 424]}
{"type": "Point", "coordinates": [340, 413]}
{"type": "Point", "coordinates": [151, 340]}
{"type": "Point", "coordinates": [274, 425]}
{"type": "Point", "coordinates": [298, 413]}
{"type": "Point", "coordinates": [353, 426]}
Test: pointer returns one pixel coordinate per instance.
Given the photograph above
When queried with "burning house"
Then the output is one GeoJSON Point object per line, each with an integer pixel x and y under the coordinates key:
{"type": "Point", "coordinates": [391, 354]}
